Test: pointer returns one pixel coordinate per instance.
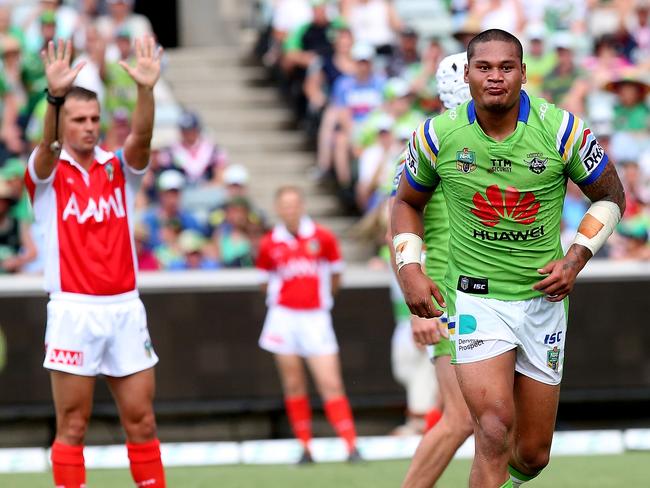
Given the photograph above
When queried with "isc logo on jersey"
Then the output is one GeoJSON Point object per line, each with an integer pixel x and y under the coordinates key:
{"type": "Point", "coordinates": [100, 210]}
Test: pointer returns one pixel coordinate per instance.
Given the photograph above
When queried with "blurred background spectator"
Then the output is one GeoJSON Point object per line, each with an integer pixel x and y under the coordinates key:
{"type": "Point", "coordinates": [588, 56]}
{"type": "Point", "coordinates": [358, 75]}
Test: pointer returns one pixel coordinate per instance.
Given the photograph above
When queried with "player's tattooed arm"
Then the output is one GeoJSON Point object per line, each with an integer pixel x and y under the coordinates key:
{"type": "Point", "coordinates": [607, 187]}
{"type": "Point", "coordinates": [561, 274]}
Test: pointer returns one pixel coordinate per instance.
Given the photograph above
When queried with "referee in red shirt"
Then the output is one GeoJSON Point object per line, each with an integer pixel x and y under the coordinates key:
{"type": "Point", "coordinates": [302, 265]}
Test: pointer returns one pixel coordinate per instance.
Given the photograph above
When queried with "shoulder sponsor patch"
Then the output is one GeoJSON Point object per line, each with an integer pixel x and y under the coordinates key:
{"type": "Point", "coordinates": [412, 161]}
{"type": "Point", "coordinates": [591, 153]}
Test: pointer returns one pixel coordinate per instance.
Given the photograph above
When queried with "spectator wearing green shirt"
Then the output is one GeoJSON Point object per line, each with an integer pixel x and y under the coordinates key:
{"type": "Point", "coordinates": [631, 112]}
{"type": "Point", "coordinates": [13, 173]}
{"type": "Point", "coordinates": [539, 61]}
{"type": "Point", "coordinates": [121, 92]}
{"type": "Point", "coordinates": [10, 89]}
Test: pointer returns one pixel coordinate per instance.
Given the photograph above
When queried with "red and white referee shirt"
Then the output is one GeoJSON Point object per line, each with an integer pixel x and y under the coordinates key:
{"type": "Point", "coordinates": [89, 248]}
{"type": "Point", "coordinates": [299, 267]}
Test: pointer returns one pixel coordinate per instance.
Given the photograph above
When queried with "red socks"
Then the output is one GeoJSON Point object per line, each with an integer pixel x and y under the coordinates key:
{"type": "Point", "coordinates": [339, 414]}
{"type": "Point", "coordinates": [146, 466]}
{"type": "Point", "coordinates": [68, 466]}
{"type": "Point", "coordinates": [299, 413]}
{"type": "Point", "coordinates": [432, 418]}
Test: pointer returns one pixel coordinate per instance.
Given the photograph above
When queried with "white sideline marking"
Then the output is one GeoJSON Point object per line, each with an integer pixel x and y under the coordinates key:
{"type": "Point", "coordinates": [287, 451]}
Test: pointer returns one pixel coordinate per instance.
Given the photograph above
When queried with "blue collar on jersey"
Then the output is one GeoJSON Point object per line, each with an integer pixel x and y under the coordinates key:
{"type": "Point", "coordinates": [524, 109]}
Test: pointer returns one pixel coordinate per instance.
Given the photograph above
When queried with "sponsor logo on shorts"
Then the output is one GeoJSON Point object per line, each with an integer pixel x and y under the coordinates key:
{"type": "Point", "coordinates": [553, 358]}
{"type": "Point", "coordinates": [148, 348]}
{"type": "Point", "coordinates": [467, 324]}
{"type": "Point", "coordinates": [68, 358]}
{"type": "Point", "coordinates": [465, 160]}
{"type": "Point", "coordinates": [469, 344]}
{"type": "Point", "coordinates": [477, 286]}
{"type": "Point", "coordinates": [555, 337]}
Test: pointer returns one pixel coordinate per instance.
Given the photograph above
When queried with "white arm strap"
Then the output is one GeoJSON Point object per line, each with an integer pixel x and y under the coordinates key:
{"type": "Point", "coordinates": [597, 225]}
{"type": "Point", "coordinates": [408, 249]}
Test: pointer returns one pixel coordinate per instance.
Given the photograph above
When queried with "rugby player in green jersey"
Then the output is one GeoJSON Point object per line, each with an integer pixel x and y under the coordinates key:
{"type": "Point", "coordinates": [502, 161]}
{"type": "Point", "coordinates": [439, 444]}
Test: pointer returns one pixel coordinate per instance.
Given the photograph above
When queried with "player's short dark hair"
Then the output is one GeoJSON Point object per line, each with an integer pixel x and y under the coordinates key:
{"type": "Point", "coordinates": [81, 93]}
{"type": "Point", "coordinates": [289, 189]}
{"type": "Point", "coordinates": [494, 35]}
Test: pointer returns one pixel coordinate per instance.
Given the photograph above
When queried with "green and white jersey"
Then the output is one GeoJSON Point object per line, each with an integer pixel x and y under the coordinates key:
{"type": "Point", "coordinates": [436, 229]}
{"type": "Point", "coordinates": [505, 197]}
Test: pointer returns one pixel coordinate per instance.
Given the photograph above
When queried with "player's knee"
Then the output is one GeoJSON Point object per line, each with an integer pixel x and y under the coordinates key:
{"type": "Point", "coordinates": [494, 427]}
{"type": "Point", "coordinates": [72, 428]}
{"type": "Point", "coordinates": [141, 425]}
{"type": "Point", "coordinates": [531, 458]}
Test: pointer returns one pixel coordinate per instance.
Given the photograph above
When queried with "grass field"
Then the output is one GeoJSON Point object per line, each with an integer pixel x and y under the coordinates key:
{"type": "Point", "coordinates": [628, 470]}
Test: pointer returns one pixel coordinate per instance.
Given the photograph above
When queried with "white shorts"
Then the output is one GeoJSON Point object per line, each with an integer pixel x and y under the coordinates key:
{"type": "Point", "coordinates": [412, 368]}
{"type": "Point", "coordinates": [302, 332]}
{"type": "Point", "coordinates": [92, 338]}
{"type": "Point", "coordinates": [483, 328]}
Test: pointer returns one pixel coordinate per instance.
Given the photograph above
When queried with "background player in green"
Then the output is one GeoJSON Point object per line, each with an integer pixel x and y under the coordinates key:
{"type": "Point", "coordinates": [439, 444]}
{"type": "Point", "coordinates": [502, 160]}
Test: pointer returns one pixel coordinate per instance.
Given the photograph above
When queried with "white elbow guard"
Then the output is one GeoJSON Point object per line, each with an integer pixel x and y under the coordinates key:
{"type": "Point", "coordinates": [597, 225]}
{"type": "Point", "coordinates": [408, 249]}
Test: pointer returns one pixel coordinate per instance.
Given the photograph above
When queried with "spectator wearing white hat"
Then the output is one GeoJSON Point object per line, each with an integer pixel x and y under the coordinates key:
{"type": "Point", "coordinates": [170, 185]}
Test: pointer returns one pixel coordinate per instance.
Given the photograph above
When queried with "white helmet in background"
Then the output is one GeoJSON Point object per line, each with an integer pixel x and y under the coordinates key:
{"type": "Point", "coordinates": [452, 88]}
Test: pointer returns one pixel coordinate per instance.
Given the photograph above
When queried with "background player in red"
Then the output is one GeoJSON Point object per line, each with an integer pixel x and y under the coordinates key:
{"type": "Point", "coordinates": [96, 324]}
{"type": "Point", "coordinates": [302, 263]}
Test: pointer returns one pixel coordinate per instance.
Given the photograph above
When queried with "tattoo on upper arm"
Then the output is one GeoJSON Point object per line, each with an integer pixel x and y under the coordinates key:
{"type": "Point", "coordinates": [607, 187]}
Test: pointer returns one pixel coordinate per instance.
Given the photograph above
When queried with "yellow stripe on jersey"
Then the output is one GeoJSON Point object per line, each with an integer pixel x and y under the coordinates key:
{"type": "Point", "coordinates": [422, 141]}
{"type": "Point", "coordinates": [569, 144]}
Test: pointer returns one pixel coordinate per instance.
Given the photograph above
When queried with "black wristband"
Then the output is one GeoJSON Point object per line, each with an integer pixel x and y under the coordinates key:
{"type": "Point", "coordinates": [51, 99]}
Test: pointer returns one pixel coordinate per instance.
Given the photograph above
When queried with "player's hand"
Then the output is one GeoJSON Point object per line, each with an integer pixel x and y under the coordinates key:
{"type": "Point", "coordinates": [60, 76]}
{"type": "Point", "coordinates": [418, 290]}
{"type": "Point", "coordinates": [147, 62]}
{"type": "Point", "coordinates": [561, 274]}
{"type": "Point", "coordinates": [428, 331]}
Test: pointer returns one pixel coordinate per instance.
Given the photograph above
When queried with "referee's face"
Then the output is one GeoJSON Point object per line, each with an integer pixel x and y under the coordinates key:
{"type": "Point", "coordinates": [495, 74]}
{"type": "Point", "coordinates": [81, 124]}
{"type": "Point", "coordinates": [290, 208]}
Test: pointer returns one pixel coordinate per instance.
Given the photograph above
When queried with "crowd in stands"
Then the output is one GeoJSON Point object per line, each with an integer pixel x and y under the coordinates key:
{"type": "Point", "coordinates": [193, 211]}
{"type": "Point", "coordinates": [360, 75]}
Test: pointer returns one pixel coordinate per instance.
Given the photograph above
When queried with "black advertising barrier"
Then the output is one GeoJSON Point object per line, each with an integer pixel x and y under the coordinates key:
{"type": "Point", "coordinates": [205, 328]}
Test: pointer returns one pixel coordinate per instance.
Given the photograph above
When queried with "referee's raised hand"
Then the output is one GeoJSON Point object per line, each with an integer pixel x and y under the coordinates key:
{"type": "Point", "coordinates": [147, 67]}
{"type": "Point", "coordinates": [60, 75]}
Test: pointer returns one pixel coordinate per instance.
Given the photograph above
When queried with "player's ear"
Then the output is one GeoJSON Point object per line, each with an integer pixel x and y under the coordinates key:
{"type": "Point", "coordinates": [466, 73]}
{"type": "Point", "coordinates": [523, 74]}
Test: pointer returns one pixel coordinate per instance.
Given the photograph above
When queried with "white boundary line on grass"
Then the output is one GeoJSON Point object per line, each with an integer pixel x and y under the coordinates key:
{"type": "Point", "coordinates": [287, 451]}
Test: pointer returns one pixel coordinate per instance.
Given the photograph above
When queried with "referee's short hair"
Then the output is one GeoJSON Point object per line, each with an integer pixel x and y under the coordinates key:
{"type": "Point", "coordinates": [81, 93]}
{"type": "Point", "coordinates": [494, 35]}
{"type": "Point", "coordinates": [289, 189]}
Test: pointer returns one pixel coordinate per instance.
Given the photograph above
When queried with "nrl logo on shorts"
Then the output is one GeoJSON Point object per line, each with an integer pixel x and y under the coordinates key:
{"type": "Point", "coordinates": [110, 171]}
{"type": "Point", "coordinates": [537, 163]}
{"type": "Point", "coordinates": [553, 358]}
{"type": "Point", "coordinates": [148, 347]}
{"type": "Point", "coordinates": [465, 160]}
